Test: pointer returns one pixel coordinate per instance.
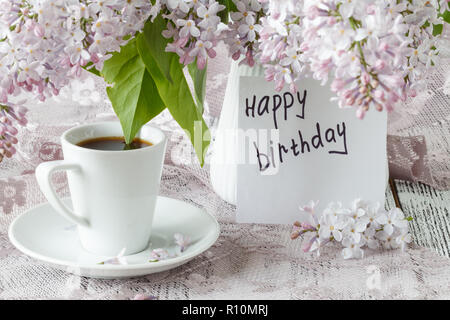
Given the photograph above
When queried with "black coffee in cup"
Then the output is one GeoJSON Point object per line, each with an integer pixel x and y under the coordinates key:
{"type": "Point", "coordinates": [113, 144]}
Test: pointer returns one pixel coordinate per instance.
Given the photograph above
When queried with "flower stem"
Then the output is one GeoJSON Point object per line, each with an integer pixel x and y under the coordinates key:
{"type": "Point", "coordinates": [354, 25]}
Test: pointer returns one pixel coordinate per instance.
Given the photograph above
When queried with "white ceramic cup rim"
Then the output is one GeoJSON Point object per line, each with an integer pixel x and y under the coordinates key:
{"type": "Point", "coordinates": [67, 142]}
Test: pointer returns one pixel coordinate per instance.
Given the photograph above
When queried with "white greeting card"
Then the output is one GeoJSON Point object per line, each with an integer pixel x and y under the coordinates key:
{"type": "Point", "coordinates": [294, 148]}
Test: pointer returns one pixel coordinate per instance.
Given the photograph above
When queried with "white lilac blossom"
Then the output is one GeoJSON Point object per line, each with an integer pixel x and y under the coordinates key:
{"type": "Point", "coordinates": [362, 224]}
{"type": "Point", "coordinates": [282, 45]}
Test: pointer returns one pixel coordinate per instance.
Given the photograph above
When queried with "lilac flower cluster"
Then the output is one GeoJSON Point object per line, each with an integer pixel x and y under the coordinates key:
{"type": "Point", "coordinates": [375, 52]}
{"type": "Point", "coordinates": [11, 115]}
{"type": "Point", "coordinates": [244, 30]}
{"type": "Point", "coordinates": [46, 43]}
{"type": "Point", "coordinates": [282, 44]}
{"type": "Point", "coordinates": [193, 28]}
{"type": "Point", "coordinates": [363, 224]}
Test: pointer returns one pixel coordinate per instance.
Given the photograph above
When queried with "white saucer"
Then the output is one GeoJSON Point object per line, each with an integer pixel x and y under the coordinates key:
{"type": "Point", "coordinates": [45, 235]}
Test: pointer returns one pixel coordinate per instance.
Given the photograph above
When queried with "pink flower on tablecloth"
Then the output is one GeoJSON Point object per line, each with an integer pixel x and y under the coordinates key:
{"type": "Point", "coordinates": [12, 192]}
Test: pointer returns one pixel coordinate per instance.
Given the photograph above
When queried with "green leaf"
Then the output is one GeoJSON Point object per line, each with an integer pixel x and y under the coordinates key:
{"type": "Point", "coordinates": [157, 44]}
{"type": "Point", "coordinates": [199, 78]}
{"type": "Point", "coordinates": [133, 94]}
{"type": "Point", "coordinates": [176, 95]}
{"type": "Point", "coordinates": [446, 16]}
{"type": "Point", "coordinates": [437, 29]}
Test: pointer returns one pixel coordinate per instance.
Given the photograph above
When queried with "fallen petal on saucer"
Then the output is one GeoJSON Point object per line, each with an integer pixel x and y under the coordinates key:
{"type": "Point", "coordinates": [182, 241]}
{"type": "Point", "coordinates": [117, 260]}
{"type": "Point", "coordinates": [158, 255]}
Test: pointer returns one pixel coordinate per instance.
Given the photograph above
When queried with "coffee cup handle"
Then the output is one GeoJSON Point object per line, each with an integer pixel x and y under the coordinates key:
{"type": "Point", "coordinates": [44, 172]}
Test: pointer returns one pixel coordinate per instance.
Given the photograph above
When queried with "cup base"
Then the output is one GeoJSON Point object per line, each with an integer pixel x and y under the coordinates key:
{"type": "Point", "coordinates": [113, 251]}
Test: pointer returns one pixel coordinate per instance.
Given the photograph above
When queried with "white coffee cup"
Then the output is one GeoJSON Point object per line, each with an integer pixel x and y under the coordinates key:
{"type": "Point", "coordinates": [113, 193]}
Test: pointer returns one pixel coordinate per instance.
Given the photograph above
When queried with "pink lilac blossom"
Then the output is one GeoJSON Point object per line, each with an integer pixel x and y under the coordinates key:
{"type": "Point", "coordinates": [11, 117]}
{"type": "Point", "coordinates": [375, 51]}
{"type": "Point", "coordinates": [281, 45]}
{"type": "Point", "coordinates": [362, 224]}
{"type": "Point", "coordinates": [46, 43]}
{"type": "Point", "coordinates": [243, 32]}
{"type": "Point", "coordinates": [193, 28]}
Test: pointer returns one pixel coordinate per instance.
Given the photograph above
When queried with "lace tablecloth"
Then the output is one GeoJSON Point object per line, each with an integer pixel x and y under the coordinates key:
{"type": "Point", "coordinates": [247, 262]}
